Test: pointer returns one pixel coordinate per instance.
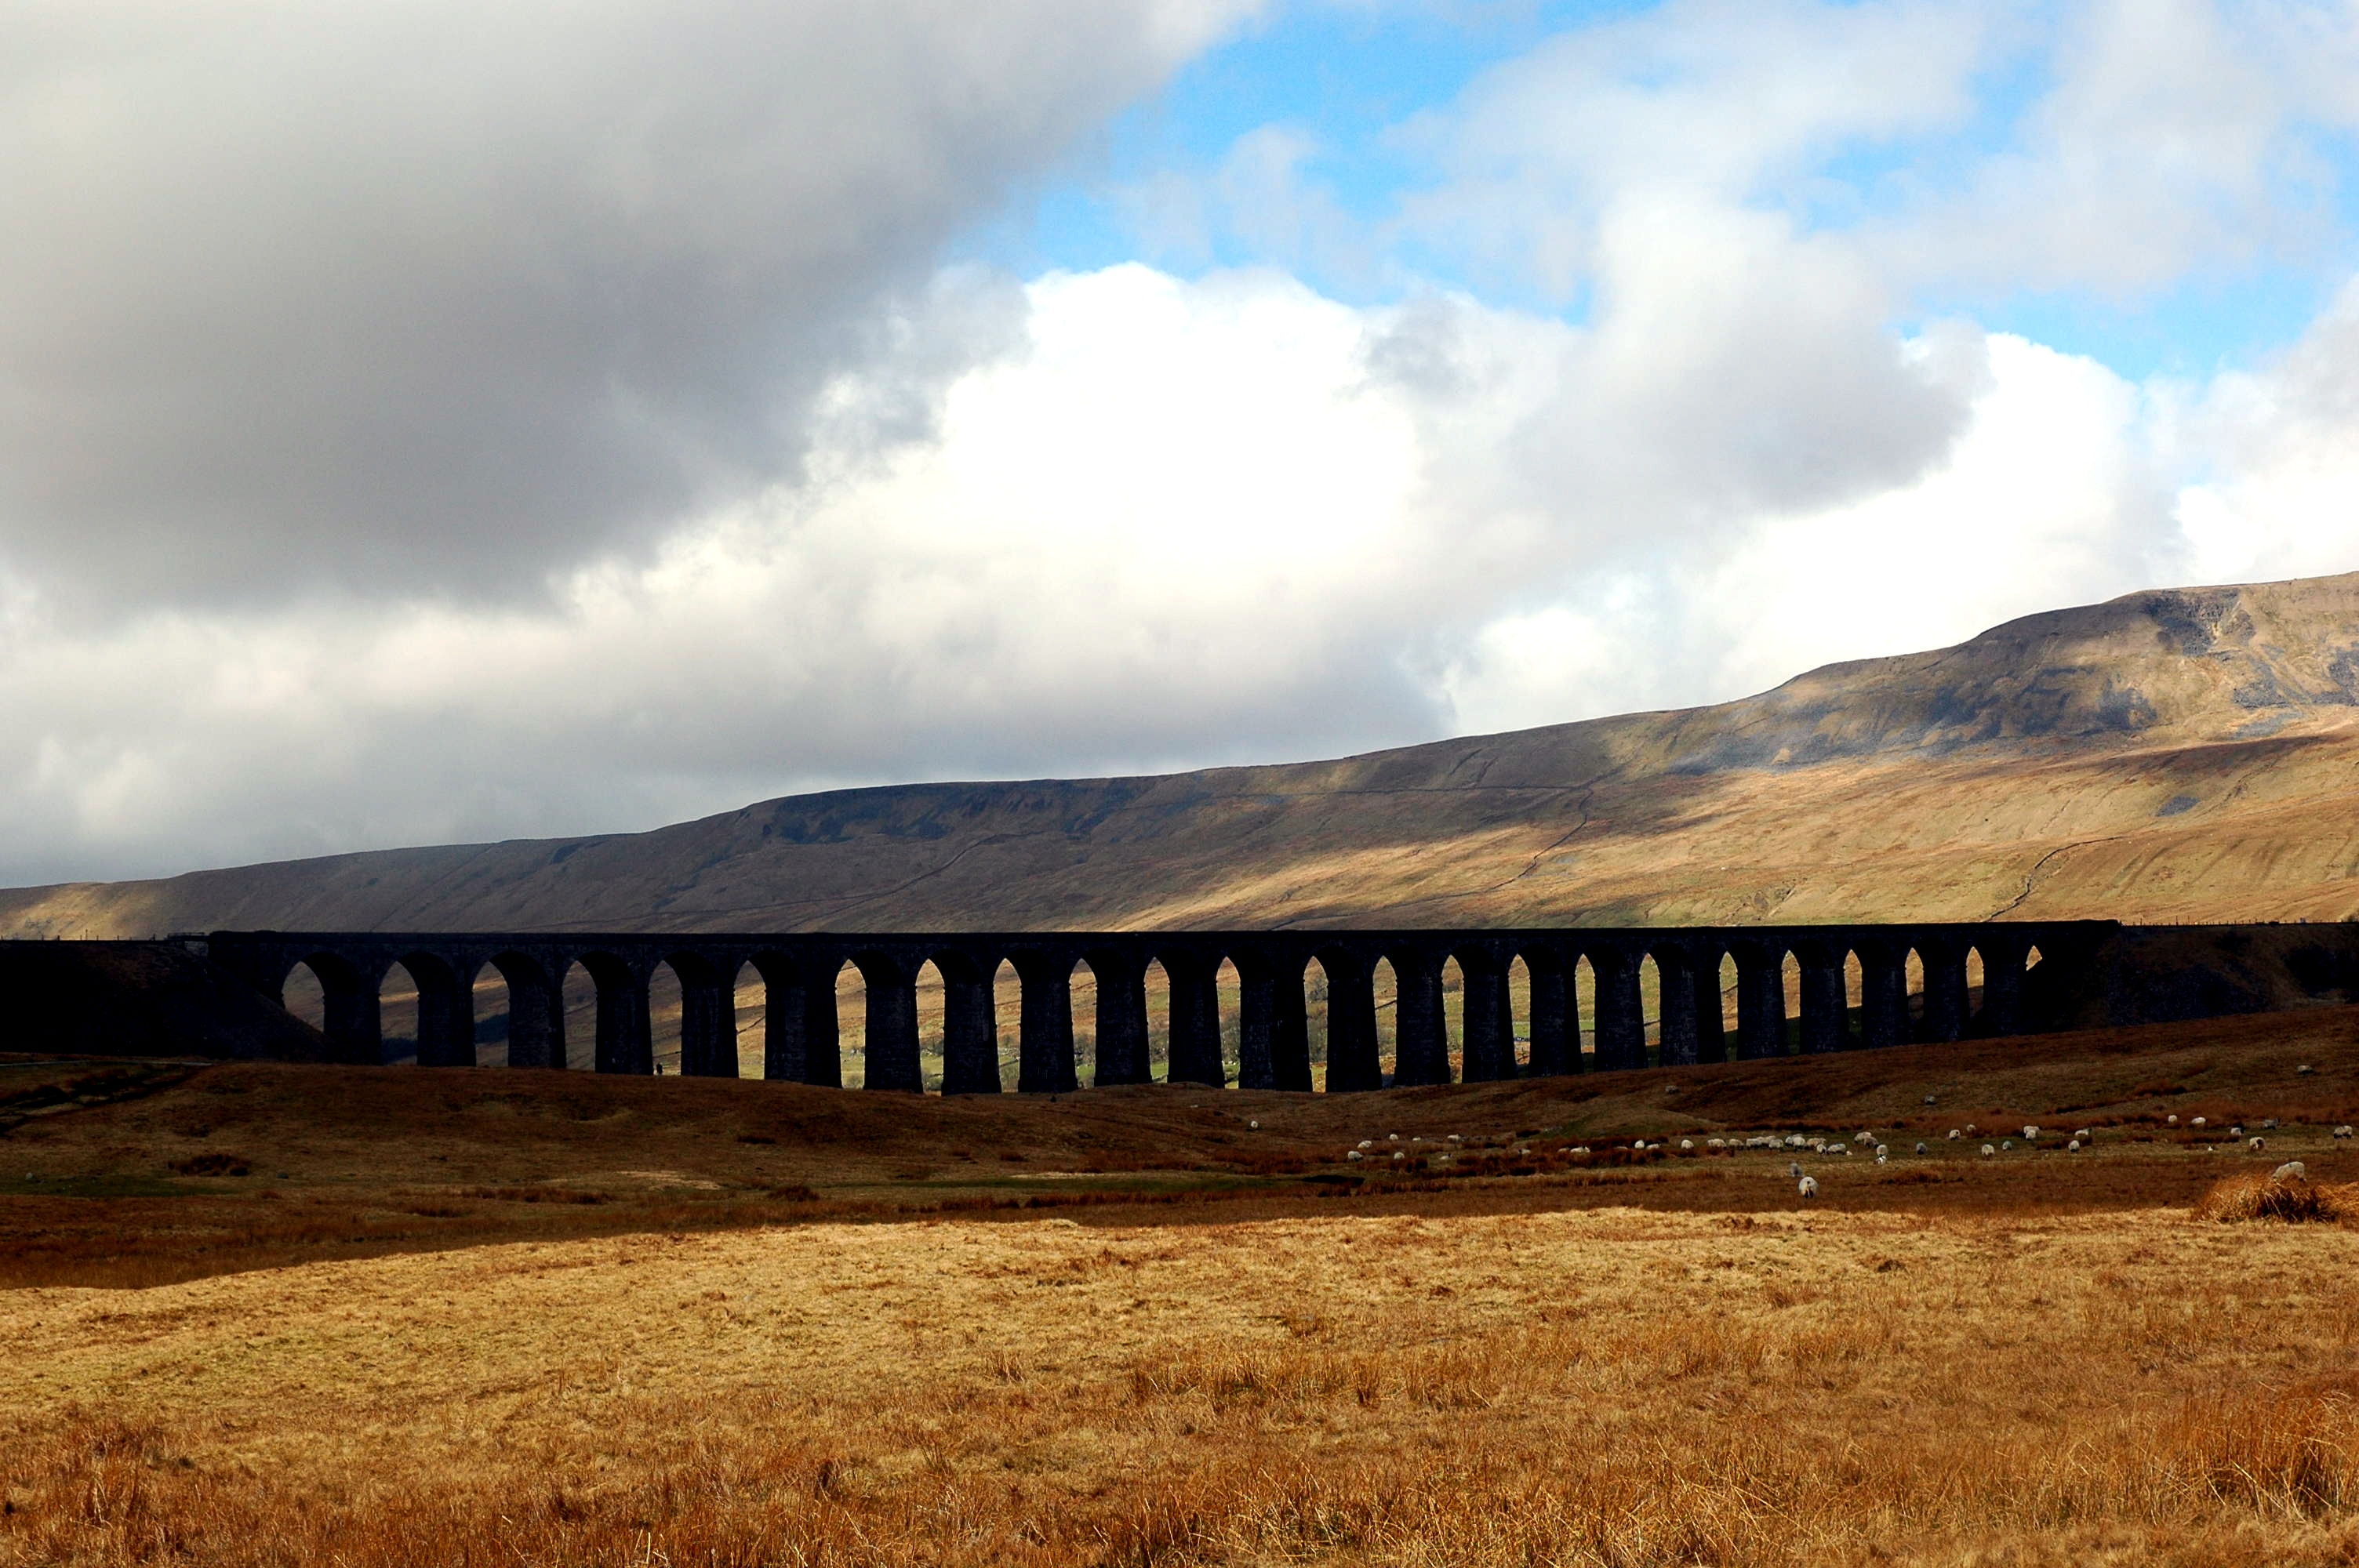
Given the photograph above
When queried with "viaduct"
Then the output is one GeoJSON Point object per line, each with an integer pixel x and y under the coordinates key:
{"type": "Point", "coordinates": [2024, 967]}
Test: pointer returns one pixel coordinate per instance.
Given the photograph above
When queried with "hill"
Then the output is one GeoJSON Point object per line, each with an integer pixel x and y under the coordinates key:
{"type": "Point", "coordinates": [2177, 755]}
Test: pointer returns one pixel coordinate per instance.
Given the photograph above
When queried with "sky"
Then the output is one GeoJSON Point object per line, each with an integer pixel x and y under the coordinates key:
{"type": "Point", "coordinates": [427, 422]}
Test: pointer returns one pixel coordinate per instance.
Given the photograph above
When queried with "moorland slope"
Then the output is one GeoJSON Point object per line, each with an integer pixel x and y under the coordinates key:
{"type": "Point", "coordinates": [2174, 755]}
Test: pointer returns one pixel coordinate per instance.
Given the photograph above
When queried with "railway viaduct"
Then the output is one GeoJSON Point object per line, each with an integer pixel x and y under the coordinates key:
{"type": "Point", "coordinates": [1672, 977]}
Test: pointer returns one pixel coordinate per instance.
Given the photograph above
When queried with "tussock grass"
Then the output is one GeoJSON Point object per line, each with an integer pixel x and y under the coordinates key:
{"type": "Point", "coordinates": [1608, 1387]}
{"type": "Point", "coordinates": [2256, 1195]}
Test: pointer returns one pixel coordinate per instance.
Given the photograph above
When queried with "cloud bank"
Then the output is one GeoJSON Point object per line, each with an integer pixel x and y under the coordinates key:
{"type": "Point", "coordinates": [419, 424]}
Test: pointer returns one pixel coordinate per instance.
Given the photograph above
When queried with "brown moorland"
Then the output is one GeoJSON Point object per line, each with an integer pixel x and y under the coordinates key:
{"type": "Point", "coordinates": [451, 1316]}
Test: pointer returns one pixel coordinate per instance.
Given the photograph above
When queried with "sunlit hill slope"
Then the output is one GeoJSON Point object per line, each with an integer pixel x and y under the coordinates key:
{"type": "Point", "coordinates": [2177, 755]}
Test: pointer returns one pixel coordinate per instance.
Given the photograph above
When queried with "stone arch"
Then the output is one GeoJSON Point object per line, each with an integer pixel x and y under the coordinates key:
{"type": "Point", "coordinates": [445, 1010]}
{"type": "Point", "coordinates": [1761, 997]}
{"type": "Point", "coordinates": [1581, 1002]}
{"type": "Point", "coordinates": [1119, 1052]}
{"type": "Point", "coordinates": [536, 1012]}
{"type": "Point", "coordinates": [1192, 1033]}
{"type": "Point", "coordinates": [349, 1014]}
{"type": "Point", "coordinates": [1045, 1034]}
{"type": "Point", "coordinates": [1351, 1020]}
{"type": "Point", "coordinates": [623, 1041]}
{"type": "Point", "coordinates": [890, 1034]}
{"type": "Point", "coordinates": [708, 1015]}
{"type": "Point", "coordinates": [970, 1023]}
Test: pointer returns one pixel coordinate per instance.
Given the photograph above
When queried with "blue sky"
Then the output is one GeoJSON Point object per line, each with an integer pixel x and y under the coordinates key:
{"type": "Point", "coordinates": [533, 420]}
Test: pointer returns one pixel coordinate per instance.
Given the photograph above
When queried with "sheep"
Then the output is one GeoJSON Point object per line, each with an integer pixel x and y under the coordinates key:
{"type": "Point", "coordinates": [1392, 1137]}
{"type": "Point", "coordinates": [1367, 1143]}
{"type": "Point", "coordinates": [1794, 1169]}
{"type": "Point", "coordinates": [2084, 1135]}
{"type": "Point", "coordinates": [2006, 1142]}
{"type": "Point", "coordinates": [1795, 1140]}
{"type": "Point", "coordinates": [1398, 1155]}
{"type": "Point", "coordinates": [2293, 1168]}
{"type": "Point", "coordinates": [1354, 1154]}
{"type": "Point", "coordinates": [1929, 1100]}
{"type": "Point", "coordinates": [1837, 1148]}
{"type": "Point", "coordinates": [1453, 1138]}
{"type": "Point", "coordinates": [1807, 1187]}
{"type": "Point", "coordinates": [2031, 1135]}
{"type": "Point", "coordinates": [2305, 1069]}
{"type": "Point", "coordinates": [1252, 1127]}
{"type": "Point", "coordinates": [1712, 1144]}
{"type": "Point", "coordinates": [1988, 1151]}
{"type": "Point", "coordinates": [2171, 1122]}
{"type": "Point", "coordinates": [2270, 1125]}
{"type": "Point", "coordinates": [2236, 1132]}
{"type": "Point", "coordinates": [1953, 1135]}
{"type": "Point", "coordinates": [2256, 1145]}
{"type": "Point", "coordinates": [1920, 1147]}
{"type": "Point", "coordinates": [1879, 1156]}
{"type": "Point", "coordinates": [1687, 1143]}
{"type": "Point", "coordinates": [2197, 1122]}
{"type": "Point", "coordinates": [2073, 1147]}
{"type": "Point", "coordinates": [2344, 1130]}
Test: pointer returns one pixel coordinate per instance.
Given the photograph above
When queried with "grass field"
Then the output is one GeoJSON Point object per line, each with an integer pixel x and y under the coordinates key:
{"type": "Point", "coordinates": [471, 1318]}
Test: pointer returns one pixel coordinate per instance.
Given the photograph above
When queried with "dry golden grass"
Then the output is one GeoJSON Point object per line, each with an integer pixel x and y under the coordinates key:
{"type": "Point", "coordinates": [1609, 1387]}
{"type": "Point", "coordinates": [2290, 1198]}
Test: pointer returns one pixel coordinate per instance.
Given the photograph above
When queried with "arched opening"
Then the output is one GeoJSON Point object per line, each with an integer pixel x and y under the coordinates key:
{"type": "Point", "coordinates": [1007, 1012]}
{"type": "Point", "coordinates": [492, 1005]}
{"type": "Point", "coordinates": [305, 996]}
{"type": "Point", "coordinates": [665, 1005]}
{"type": "Point", "coordinates": [852, 1009]}
{"type": "Point", "coordinates": [1387, 982]}
{"type": "Point", "coordinates": [1517, 1024]}
{"type": "Point", "coordinates": [1453, 1019]}
{"type": "Point", "coordinates": [396, 1002]}
{"type": "Point", "coordinates": [1730, 994]}
{"type": "Point", "coordinates": [1228, 994]}
{"type": "Point", "coordinates": [1650, 1007]}
{"type": "Point", "coordinates": [932, 998]}
{"type": "Point", "coordinates": [1914, 971]}
{"type": "Point", "coordinates": [1316, 993]}
{"type": "Point", "coordinates": [1583, 1006]}
{"type": "Point", "coordinates": [579, 996]}
{"type": "Point", "coordinates": [1977, 988]}
{"type": "Point", "coordinates": [1789, 998]}
{"type": "Point", "coordinates": [1854, 996]}
{"type": "Point", "coordinates": [749, 1011]}
{"type": "Point", "coordinates": [1157, 983]}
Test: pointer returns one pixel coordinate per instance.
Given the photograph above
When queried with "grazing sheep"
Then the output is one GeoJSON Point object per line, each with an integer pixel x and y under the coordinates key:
{"type": "Point", "coordinates": [2082, 1135]}
{"type": "Point", "coordinates": [2305, 1069]}
{"type": "Point", "coordinates": [2006, 1142]}
{"type": "Point", "coordinates": [1836, 1149]}
{"type": "Point", "coordinates": [1988, 1151]}
{"type": "Point", "coordinates": [1953, 1135]}
{"type": "Point", "coordinates": [1398, 1155]}
{"type": "Point", "coordinates": [1929, 1100]}
{"type": "Point", "coordinates": [1795, 1169]}
{"type": "Point", "coordinates": [1795, 1140]}
{"type": "Point", "coordinates": [2171, 1122]}
{"type": "Point", "coordinates": [2197, 1122]}
{"type": "Point", "coordinates": [2031, 1135]}
{"type": "Point", "coordinates": [2270, 1125]}
{"type": "Point", "coordinates": [1367, 1142]}
{"type": "Point", "coordinates": [1252, 1127]}
{"type": "Point", "coordinates": [1354, 1154]}
{"type": "Point", "coordinates": [2073, 1147]}
{"type": "Point", "coordinates": [1809, 1187]}
{"type": "Point", "coordinates": [1687, 1143]}
{"type": "Point", "coordinates": [2293, 1168]}
{"type": "Point", "coordinates": [2256, 1145]}
{"type": "Point", "coordinates": [1879, 1156]}
{"type": "Point", "coordinates": [2344, 1130]}
{"type": "Point", "coordinates": [2236, 1132]}
{"type": "Point", "coordinates": [1712, 1144]}
{"type": "Point", "coordinates": [1921, 1146]}
{"type": "Point", "coordinates": [1392, 1137]}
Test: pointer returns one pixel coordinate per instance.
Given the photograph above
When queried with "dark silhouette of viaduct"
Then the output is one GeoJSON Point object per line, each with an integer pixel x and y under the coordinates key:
{"type": "Point", "coordinates": [1272, 1010]}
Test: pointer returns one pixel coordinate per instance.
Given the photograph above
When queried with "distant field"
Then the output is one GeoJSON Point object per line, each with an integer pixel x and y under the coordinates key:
{"type": "Point", "coordinates": [453, 1316]}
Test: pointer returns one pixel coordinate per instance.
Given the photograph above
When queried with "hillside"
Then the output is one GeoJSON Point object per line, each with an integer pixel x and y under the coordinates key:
{"type": "Point", "coordinates": [2173, 755]}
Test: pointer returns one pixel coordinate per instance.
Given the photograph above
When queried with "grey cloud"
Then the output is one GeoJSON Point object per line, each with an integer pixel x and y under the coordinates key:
{"type": "Point", "coordinates": [440, 298]}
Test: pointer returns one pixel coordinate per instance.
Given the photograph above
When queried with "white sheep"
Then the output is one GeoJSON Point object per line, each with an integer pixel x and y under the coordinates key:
{"type": "Point", "coordinates": [1809, 1187]}
{"type": "Point", "coordinates": [1398, 1155]}
{"type": "Point", "coordinates": [2171, 1122]}
{"type": "Point", "coordinates": [2305, 1069]}
{"type": "Point", "coordinates": [1953, 1135]}
{"type": "Point", "coordinates": [2344, 1130]}
{"type": "Point", "coordinates": [1988, 1151]}
{"type": "Point", "coordinates": [2031, 1135]}
{"type": "Point", "coordinates": [1879, 1156]}
{"type": "Point", "coordinates": [1453, 1138]}
{"type": "Point", "coordinates": [2293, 1168]}
{"type": "Point", "coordinates": [1687, 1143]}
{"type": "Point", "coordinates": [2082, 1135]}
{"type": "Point", "coordinates": [2197, 1122]}
{"type": "Point", "coordinates": [1392, 1137]}
{"type": "Point", "coordinates": [2073, 1147]}
{"type": "Point", "coordinates": [1920, 1147]}
{"type": "Point", "coordinates": [2270, 1125]}
{"type": "Point", "coordinates": [1970, 1130]}
{"type": "Point", "coordinates": [1354, 1154]}
{"type": "Point", "coordinates": [1252, 1127]}
{"type": "Point", "coordinates": [1843, 1148]}
{"type": "Point", "coordinates": [2236, 1132]}
{"type": "Point", "coordinates": [1794, 1169]}
{"type": "Point", "coordinates": [1367, 1143]}
{"type": "Point", "coordinates": [2256, 1145]}
{"type": "Point", "coordinates": [2006, 1142]}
